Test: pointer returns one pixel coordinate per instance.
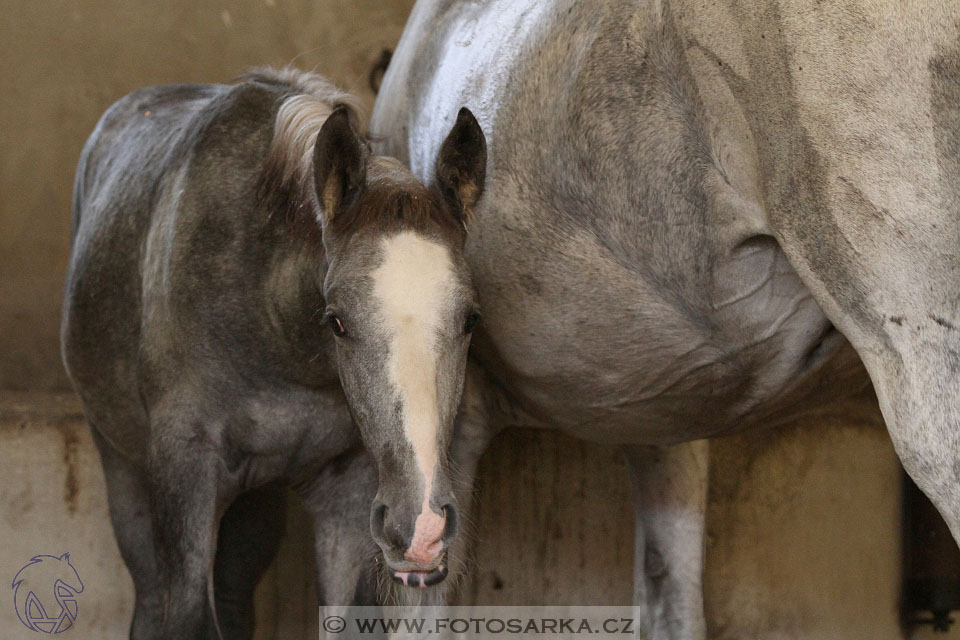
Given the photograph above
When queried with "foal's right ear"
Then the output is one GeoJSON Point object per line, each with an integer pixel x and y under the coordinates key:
{"type": "Point", "coordinates": [339, 164]}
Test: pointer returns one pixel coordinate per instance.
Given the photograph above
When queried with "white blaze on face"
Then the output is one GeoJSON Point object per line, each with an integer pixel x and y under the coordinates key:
{"type": "Point", "coordinates": [414, 287]}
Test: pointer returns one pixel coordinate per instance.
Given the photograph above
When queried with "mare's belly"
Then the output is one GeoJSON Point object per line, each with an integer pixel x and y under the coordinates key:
{"type": "Point", "coordinates": [581, 343]}
{"type": "Point", "coordinates": [664, 399]}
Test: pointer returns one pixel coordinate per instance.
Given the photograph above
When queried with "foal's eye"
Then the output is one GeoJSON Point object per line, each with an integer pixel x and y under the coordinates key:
{"type": "Point", "coordinates": [471, 322]}
{"type": "Point", "coordinates": [337, 326]}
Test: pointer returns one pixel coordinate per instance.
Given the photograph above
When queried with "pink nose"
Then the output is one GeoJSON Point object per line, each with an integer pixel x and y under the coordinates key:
{"type": "Point", "coordinates": [427, 542]}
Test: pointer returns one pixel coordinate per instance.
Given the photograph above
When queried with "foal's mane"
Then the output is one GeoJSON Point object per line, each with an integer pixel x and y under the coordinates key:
{"type": "Point", "coordinates": [308, 99]}
{"type": "Point", "coordinates": [392, 197]}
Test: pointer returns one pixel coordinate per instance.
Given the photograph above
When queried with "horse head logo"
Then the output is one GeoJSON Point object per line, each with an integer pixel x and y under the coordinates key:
{"type": "Point", "coordinates": [45, 593]}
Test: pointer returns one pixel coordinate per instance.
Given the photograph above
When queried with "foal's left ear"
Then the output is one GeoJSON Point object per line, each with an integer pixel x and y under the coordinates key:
{"type": "Point", "coordinates": [339, 163]}
{"type": "Point", "coordinates": [462, 165]}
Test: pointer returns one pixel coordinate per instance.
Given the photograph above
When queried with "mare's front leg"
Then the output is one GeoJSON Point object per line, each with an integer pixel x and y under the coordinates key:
{"type": "Point", "coordinates": [670, 498]}
{"type": "Point", "coordinates": [184, 483]}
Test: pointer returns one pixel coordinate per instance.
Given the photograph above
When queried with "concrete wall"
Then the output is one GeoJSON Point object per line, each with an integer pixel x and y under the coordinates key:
{"type": "Point", "coordinates": [62, 62]}
{"type": "Point", "coordinates": [53, 501]}
{"type": "Point", "coordinates": [803, 529]}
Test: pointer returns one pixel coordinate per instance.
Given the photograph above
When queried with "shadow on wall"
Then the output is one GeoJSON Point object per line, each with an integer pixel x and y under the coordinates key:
{"type": "Point", "coordinates": [63, 63]}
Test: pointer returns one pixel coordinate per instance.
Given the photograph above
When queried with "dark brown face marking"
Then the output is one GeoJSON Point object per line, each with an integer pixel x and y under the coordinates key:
{"type": "Point", "coordinates": [444, 208]}
{"type": "Point", "coordinates": [388, 205]}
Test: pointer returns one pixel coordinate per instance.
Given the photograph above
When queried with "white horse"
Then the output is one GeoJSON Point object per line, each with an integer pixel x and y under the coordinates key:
{"type": "Point", "coordinates": [683, 200]}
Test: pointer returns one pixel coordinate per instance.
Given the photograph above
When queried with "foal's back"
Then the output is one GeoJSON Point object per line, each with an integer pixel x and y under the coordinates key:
{"type": "Point", "coordinates": [171, 246]}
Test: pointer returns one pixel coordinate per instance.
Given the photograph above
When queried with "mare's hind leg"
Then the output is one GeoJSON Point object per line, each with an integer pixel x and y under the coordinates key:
{"type": "Point", "coordinates": [129, 501]}
{"type": "Point", "coordinates": [250, 533]}
{"type": "Point", "coordinates": [670, 486]}
{"type": "Point", "coordinates": [338, 501]}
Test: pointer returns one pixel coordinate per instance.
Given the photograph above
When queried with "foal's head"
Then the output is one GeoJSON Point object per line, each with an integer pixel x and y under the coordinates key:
{"type": "Point", "coordinates": [401, 308]}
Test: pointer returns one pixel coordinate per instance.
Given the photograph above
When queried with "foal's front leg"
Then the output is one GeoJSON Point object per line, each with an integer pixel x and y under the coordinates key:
{"type": "Point", "coordinates": [184, 475]}
{"type": "Point", "coordinates": [338, 501]}
{"type": "Point", "coordinates": [670, 498]}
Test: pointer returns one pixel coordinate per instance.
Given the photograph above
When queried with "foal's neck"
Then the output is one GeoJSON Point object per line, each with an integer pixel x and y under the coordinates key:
{"type": "Point", "coordinates": [293, 310]}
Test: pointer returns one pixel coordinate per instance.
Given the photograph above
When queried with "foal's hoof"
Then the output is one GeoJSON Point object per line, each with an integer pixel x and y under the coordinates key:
{"type": "Point", "coordinates": [421, 579]}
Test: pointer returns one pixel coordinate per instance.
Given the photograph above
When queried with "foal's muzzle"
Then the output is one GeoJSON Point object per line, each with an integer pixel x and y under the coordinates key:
{"type": "Point", "coordinates": [414, 541]}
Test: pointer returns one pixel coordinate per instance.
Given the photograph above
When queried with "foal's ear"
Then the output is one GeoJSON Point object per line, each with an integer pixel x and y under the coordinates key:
{"type": "Point", "coordinates": [462, 165]}
{"type": "Point", "coordinates": [339, 163]}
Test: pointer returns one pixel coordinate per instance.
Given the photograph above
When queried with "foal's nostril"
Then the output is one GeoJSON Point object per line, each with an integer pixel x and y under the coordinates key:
{"type": "Point", "coordinates": [386, 530]}
{"type": "Point", "coordinates": [452, 524]}
{"type": "Point", "coordinates": [406, 535]}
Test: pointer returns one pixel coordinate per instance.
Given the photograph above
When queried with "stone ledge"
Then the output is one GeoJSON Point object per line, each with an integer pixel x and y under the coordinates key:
{"type": "Point", "coordinates": [18, 407]}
